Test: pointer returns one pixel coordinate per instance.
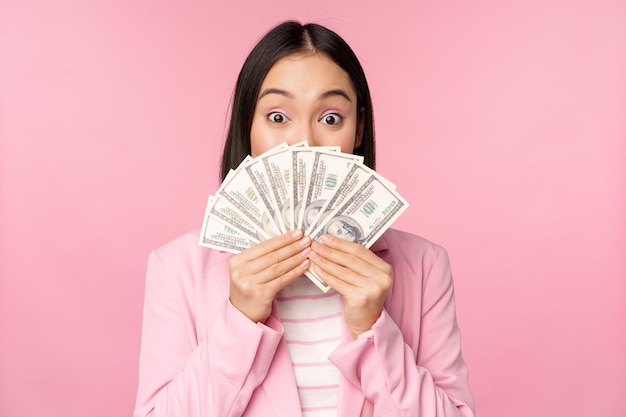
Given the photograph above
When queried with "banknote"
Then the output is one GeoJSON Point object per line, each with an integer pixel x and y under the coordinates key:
{"type": "Point", "coordinates": [261, 182]}
{"type": "Point", "coordinates": [354, 179]}
{"type": "Point", "coordinates": [239, 190]}
{"type": "Point", "coordinates": [277, 167]}
{"type": "Point", "coordinates": [365, 215]}
{"type": "Point", "coordinates": [221, 236]}
{"type": "Point", "coordinates": [301, 169]}
{"type": "Point", "coordinates": [226, 213]}
{"type": "Point", "coordinates": [328, 171]}
{"type": "Point", "coordinates": [317, 189]}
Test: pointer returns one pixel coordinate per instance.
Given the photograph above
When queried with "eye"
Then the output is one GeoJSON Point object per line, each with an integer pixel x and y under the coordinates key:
{"type": "Point", "coordinates": [277, 117]}
{"type": "Point", "coordinates": [331, 119]}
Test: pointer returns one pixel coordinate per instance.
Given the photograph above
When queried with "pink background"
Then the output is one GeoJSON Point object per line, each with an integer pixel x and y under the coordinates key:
{"type": "Point", "coordinates": [502, 123]}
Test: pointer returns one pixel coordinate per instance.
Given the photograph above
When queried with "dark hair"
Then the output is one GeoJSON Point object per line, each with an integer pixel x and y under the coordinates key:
{"type": "Point", "coordinates": [285, 39]}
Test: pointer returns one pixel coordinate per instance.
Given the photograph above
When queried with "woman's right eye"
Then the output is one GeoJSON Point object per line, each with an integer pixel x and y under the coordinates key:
{"type": "Point", "coordinates": [277, 117]}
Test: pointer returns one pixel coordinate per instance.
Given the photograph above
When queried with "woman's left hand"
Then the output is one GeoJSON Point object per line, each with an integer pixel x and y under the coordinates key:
{"type": "Point", "coordinates": [362, 278]}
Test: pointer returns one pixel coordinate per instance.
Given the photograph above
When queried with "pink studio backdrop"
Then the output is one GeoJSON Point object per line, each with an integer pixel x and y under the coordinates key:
{"type": "Point", "coordinates": [502, 123]}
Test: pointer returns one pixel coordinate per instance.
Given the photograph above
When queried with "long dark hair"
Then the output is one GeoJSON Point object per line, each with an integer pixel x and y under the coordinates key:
{"type": "Point", "coordinates": [285, 39]}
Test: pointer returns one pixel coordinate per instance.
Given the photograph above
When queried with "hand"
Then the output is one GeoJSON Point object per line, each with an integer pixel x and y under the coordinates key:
{"type": "Point", "coordinates": [259, 272]}
{"type": "Point", "coordinates": [361, 277]}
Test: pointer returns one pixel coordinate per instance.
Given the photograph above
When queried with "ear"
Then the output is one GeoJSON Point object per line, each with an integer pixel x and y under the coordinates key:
{"type": "Point", "coordinates": [360, 126]}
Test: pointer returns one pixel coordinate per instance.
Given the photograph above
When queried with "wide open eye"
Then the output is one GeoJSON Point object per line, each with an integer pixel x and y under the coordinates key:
{"type": "Point", "coordinates": [277, 117]}
{"type": "Point", "coordinates": [331, 119]}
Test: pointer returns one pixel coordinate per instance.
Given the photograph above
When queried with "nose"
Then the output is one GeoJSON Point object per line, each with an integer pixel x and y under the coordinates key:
{"type": "Point", "coordinates": [306, 133]}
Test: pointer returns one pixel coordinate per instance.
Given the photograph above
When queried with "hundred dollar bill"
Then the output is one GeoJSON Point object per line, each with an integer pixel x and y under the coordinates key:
{"type": "Point", "coordinates": [238, 189]}
{"type": "Point", "coordinates": [218, 235]}
{"type": "Point", "coordinates": [260, 180]}
{"type": "Point", "coordinates": [362, 218]}
{"type": "Point", "coordinates": [278, 170]}
{"type": "Point", "coordinates": [301, 169]}
{"type": "Point", "coordinates": [365, 215]}
{"type": "Point", "coordinates": [354, 179]}
{"type": "Point", "coordinates": [225, 212]}
{"type": "Point", "coordinates": [328, 171]}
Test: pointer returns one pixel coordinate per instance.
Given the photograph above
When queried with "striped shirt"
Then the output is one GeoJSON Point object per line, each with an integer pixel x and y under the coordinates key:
{"type": "Point", "coordinates": [312, 321]}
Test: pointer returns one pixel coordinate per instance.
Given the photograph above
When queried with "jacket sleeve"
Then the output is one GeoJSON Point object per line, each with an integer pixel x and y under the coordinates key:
{"type": "Point", "coordinates": [393, 378]}
{"type": "Point", "coordinates": [211, 374]}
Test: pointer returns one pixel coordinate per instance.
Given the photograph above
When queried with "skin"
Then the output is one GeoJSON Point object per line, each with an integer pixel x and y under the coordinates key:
{"type": "Point", "coordinates": [306, 96]}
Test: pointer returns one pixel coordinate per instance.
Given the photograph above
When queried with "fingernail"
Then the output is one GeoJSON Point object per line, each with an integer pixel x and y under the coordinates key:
{"type": "Point", "coordinates": [327, 238]}
{"type": "Point", "coordinates": [305, 241]}
{"type": "Point", "coordinates": [296, 233]}
{"type": "Point", "coordinates": [317, 246]}
{"type": "Point", "coordinates": [305, 252]}
{"type": "Point", "coordinates": [314, 256]}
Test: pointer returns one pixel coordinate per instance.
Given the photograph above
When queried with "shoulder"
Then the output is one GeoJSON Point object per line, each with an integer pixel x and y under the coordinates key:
{"type": "Point", "coordinates": [184, 243]}
{"type": "Point", "coordinates": [184, 253]}
{"type": "Point", "coordinates": [407, 246]}
{"type": "Point", "coordinates": [416, 261]}
{"type": "Point", "coordinates": [188, 278]}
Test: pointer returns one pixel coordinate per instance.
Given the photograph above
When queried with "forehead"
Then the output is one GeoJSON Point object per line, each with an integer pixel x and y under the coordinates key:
{"type": "Point", "coordinates": [307, 71]}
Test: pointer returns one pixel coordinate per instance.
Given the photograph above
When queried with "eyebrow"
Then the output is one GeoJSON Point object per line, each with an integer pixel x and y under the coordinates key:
{"type": "Point", "coordinates": [336, 92]}
{"type": "Point", "coordinates": [275, 91]}
{"type": "Point", "coordinates": [329, 93]}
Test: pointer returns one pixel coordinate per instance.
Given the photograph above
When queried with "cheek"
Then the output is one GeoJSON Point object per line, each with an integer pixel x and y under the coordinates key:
{"type": "Point", "coordinates": [344, 138]}
{"type": "Point", "coordinates": [261, 139]}
{"type": "Point", "coordinates": [347, 144]}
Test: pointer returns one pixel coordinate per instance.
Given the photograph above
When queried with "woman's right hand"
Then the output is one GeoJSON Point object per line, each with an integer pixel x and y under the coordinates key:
{"type": "Point", "coordinates": [259, 272]}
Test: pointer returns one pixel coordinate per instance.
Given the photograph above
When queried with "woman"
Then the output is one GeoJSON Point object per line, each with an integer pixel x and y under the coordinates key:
{"type": "Point", "coordinates": [246, 334]}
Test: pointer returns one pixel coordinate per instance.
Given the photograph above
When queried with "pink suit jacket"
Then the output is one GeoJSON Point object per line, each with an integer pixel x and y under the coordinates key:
{"type": "Point", "coordinates": [202, 357]}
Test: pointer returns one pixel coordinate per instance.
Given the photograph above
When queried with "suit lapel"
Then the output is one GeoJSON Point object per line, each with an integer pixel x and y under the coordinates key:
{"type": "Point", "coordinates": [280, 383]}
{"type": "Point", "coordinates": [350, 399]}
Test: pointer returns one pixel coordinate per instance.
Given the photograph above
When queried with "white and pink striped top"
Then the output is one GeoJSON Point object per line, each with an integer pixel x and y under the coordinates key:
{"type": "Point", "coordinates": [313, 326]}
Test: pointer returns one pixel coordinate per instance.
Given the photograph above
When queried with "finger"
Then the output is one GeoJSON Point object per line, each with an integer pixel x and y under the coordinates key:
{"type": "Point", "coordinates": [271, 245]}
{"type": "Point", "coordinates": [285, 269]}
{"type": "Point", "coordinates": [342, 286]}
{"type": "Point", "coordinates": [334, 269]}
{"type": "Point", "coordinates": [355, 249]}
{"type": "Point", "coordinates": [281, 281]}
{"type": "Point", "coordinates": [259, 257]}
{"type": "Point", "coordinates": [282, 257]}
{"type": "Point", "coordinates": [341, 263]}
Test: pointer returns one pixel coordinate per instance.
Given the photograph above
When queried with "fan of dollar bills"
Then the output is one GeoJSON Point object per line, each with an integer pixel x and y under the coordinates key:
{"type": "Point", "coordinates": [317, 189]}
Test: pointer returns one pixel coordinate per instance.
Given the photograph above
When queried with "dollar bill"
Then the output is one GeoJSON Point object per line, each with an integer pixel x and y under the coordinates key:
{"type": "Point", "coordinates": [365, 215]}
{"type": "Point", "coordinates": [354, 180]}
{"type": "Point", "coordinates": [279, 174]}
{"type": "Point", "coordinates": [225, 212]}
{"type": "Point", "coordinates": [328, 171]}
{"type": "Point", "coordinates": [221, 236]}
{"type": "Point", "coordinates": [362, 218]}
{"type": "Point", "coordinates": [302, 167]}
{"type": "Point", "coordinates": [271, 221]}
{"type": "Point", "coordinates": [239, 190]}
{"type": "Point", "coordinates": [317, 189]}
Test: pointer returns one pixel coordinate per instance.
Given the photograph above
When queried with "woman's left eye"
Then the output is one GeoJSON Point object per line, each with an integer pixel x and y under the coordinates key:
{"type": "Point", "coordinates": [331, 119]}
